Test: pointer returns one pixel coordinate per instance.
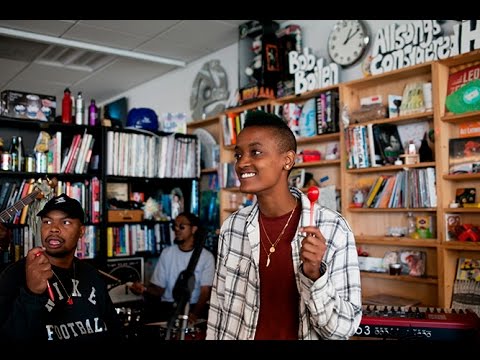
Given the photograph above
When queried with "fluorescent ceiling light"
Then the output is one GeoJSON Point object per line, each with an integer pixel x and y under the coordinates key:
{"type": "Point", "coordinates": [88, 46]}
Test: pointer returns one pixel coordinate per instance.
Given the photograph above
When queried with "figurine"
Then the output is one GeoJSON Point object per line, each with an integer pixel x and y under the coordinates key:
{"type": "Point", "coordinates": [254, 69]}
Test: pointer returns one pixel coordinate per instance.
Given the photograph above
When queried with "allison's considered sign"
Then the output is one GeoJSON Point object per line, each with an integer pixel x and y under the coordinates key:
{"type": "Point", "coordinates": [397, 46]}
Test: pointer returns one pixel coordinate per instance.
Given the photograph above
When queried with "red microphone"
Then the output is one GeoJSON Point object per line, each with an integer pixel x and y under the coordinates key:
{"type": "Point", "coordinates": [313, 193]}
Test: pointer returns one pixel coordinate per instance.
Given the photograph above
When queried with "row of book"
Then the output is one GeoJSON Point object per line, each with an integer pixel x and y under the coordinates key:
{"type": "Point", "coordinates": [78, 156]}
{"type": "Point", "coordinates": [74, 159]}
{"type": "Point", "coordinates": [128, 239]}
{"type": "Point", "coordinates": [373, 145]}
{"type": "Point", "coordinates": [151, 155]}
{"type": "Point", "coordinates": [87, 192]}
{"type": "Point", "coordinates": [227, 177]}
{"type": "Point", "coordinates": [316, 116]}
{"type": "Point", "coordinates": [413, 188]}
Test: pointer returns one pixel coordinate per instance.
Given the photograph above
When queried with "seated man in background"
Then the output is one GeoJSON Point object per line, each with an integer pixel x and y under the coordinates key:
{"type": "Point", "coordinates": [159, 294]}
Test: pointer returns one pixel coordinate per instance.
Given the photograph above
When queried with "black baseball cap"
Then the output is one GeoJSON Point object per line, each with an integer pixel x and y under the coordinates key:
{"type": "Point", "coordinates": [64, 203]}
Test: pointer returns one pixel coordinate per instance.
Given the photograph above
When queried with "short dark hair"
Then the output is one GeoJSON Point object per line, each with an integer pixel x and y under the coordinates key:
{"type": "Point", "coordinates": [286, 138]}
{"type": "Point", "coordinates": [194, 220]}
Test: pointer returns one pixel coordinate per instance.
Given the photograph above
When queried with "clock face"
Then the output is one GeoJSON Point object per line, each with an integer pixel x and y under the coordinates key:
{"type": "Point", "coordinates": [347, 42]}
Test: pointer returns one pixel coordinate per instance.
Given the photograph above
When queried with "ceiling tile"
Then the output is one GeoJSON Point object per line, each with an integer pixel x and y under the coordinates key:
{"type": "Point", "coordinates": [46, 27]}
{"type": "Point", "coordinates": [203, 33]}
{"type": "Point", "coordinates": [100, 36]}
{"type": "Point", "coordinates": [120, 76]}
{"type": "Point", "coordinates": [139, 28]}
{"type": "Point", "coordinates": [54, 74]}
{"type": "Point", "coordinates": [172, 49]}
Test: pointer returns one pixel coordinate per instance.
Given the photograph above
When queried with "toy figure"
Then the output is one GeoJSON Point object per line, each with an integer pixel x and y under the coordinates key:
{"type": "Point", "coordinates": [255, 67]}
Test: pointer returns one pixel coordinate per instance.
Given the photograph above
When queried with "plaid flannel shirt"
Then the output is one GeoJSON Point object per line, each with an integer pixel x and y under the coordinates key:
{"type": "Point", "coordinates": [330, 307]}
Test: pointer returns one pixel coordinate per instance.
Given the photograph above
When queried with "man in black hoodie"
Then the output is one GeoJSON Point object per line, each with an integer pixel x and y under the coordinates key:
{"type": "Point", "coordinates": [51, 296]}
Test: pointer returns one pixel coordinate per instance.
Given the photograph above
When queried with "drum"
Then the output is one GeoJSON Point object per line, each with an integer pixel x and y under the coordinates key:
{"type": "Point", "coordinates": [159, 330]}
{"type": "Point", "coordinates": [131, 321]}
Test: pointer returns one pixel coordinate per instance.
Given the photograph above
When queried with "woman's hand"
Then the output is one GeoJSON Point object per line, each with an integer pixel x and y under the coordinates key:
{"type": "Point", "coordinates": [312, 251]}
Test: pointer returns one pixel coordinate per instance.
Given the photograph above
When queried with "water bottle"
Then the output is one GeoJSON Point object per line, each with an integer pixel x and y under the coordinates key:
{"type": "Point", "coordinates": [92, 113]}
{"type": "Point", "coordinates": [67, 107]}
{"type": "Point", "coordinates": [79, 109]}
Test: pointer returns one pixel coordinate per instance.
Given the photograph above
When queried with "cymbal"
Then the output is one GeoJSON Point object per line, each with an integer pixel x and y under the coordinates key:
{"type": "Point", "coordinates": [162, 324]}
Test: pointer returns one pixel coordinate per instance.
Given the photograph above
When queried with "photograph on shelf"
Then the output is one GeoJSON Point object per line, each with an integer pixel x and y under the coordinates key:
{"type": "Point", "coordinates": [414, 133]}
{"type": "Point", "coordinates": [389, 143]}
{"type": "Point", "coordinates": [468, 269]}
{"type": "Point", "coordinates": [465, 196]}
{"type": "Point", "coordinates": [464, 155]}
{"type": "Point", "coordinates": [452, 224]}
{"type": "Point", "coordinates": [413, 262]}
{"type": "Point", "coordinates": [413, 99]}
{"type": "Point", "coordinates": [394, 102]}
{"type": "Point", "coordinates": [117, 191]}
{"type": "Point", "coordinates": [297, 178]}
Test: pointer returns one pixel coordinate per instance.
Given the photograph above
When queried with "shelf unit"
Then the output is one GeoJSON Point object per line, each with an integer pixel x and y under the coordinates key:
{"type": "Point", "coordinates": [450, 251]}
{"type": "Point", "coordinates": [29, 130]}
{"type": "Point", "coordinates": [158, 165]}
{"type": "Point", "coordinates": [370, 224]}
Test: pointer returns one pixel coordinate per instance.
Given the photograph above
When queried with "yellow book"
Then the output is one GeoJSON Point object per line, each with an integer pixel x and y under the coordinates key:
{"type": "Point", "coordinates": [374, 191]}
{"type": "Point", "coordinates": [109, 242]}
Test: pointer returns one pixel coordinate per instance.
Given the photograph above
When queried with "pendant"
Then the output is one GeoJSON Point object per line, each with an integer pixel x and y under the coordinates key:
{"type": "Point", "coordinates": [70, 301]}
{"type": "Point", "coordinates": [268, 260]}
{"type": "Point", "coordinates": [272, 249]}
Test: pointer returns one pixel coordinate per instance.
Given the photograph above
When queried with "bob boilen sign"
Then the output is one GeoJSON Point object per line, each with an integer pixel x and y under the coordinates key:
{"type": "Point", "coordinates": [311, 73]}
{"type": "Point", "coordinates": [397, 46]}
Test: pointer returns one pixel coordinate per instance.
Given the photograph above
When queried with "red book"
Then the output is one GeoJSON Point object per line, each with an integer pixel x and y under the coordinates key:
{"type": "Point", "coordinates": [462, 77]}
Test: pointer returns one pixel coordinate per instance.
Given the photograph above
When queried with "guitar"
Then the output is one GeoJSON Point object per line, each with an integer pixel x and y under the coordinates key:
{"type": "Point", "coordinates": [38, 192]}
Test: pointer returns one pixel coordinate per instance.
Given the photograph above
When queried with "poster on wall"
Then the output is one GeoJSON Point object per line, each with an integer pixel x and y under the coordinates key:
{"type": "Point", "coordinates": [126, 271]}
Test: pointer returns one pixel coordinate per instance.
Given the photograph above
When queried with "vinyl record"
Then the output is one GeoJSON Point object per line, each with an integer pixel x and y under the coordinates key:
{"type": "Point", "coordinates": [207, 142]}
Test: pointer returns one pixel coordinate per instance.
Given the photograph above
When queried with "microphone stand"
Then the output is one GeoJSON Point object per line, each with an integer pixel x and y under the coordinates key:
{"type": "Point", "coordinates": [182, 292]}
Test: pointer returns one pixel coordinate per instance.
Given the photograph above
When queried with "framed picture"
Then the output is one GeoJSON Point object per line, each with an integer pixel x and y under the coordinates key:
{"type": "Point", "coordinates": [118, 191]}
{"type": "Point", "coordinates": [125, 270]}
{"type": "Point", "coordinates": [389, 143]}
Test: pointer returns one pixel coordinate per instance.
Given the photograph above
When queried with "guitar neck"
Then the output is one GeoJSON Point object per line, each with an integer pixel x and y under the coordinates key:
{"type": "Point", "coordinates": [6, 214]}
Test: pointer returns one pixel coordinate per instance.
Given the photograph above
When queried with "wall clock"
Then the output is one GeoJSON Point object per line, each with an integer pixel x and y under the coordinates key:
{"type": "Point", "coordinates": [348, 41]}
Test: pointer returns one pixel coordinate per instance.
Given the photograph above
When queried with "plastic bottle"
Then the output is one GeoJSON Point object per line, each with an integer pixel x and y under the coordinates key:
{"type": "Point", "coordinates": [17, 153]}
{"type": "Point", "coordinates": [67, 107]}
{"type": "Point", "coordinates": [92, 113]}
{"type": "Point", "coordinates": [412, 226]}
{"type": "Point", "coordinates": [79, 109]}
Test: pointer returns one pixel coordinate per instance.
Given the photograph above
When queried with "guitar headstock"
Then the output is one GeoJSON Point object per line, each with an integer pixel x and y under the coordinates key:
{"type": "Point", "coordinates": [45, 187]}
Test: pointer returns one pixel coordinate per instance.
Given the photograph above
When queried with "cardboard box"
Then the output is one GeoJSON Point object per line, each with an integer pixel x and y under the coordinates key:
{"type": "Point", "coordinates": [125, 215]}
{"type": "Point", "coordinates": [24, 105]}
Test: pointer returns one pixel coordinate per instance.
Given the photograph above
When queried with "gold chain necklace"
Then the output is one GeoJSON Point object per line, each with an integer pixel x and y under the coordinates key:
{"type": "Point", "coordinates": [69, 297]}
{"type": "Point", "coordinates": [273, 245]}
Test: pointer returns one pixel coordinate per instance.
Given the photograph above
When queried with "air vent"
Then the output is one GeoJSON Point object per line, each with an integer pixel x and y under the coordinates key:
{"type": "Point", "coordinates": [72, 58]}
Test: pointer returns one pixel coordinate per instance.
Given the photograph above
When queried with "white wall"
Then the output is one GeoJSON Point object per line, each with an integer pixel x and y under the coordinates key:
{"type": "Point", "coordinates": [171, 92]}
